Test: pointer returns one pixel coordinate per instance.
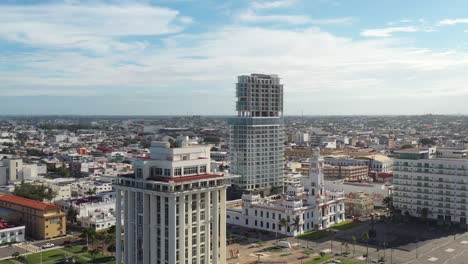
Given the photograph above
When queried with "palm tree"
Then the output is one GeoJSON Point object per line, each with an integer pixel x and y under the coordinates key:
{"type": "Point", "coordinates": [365, 237]}
{"type": "Point", "coordinates": [283, 223]}
{"type": "Point", "coordinates": [424, 214]}
{"type": "Point", "coordinates": [354, 245]}
{"type": "Point", "coordinates": [93, 254]}
{"type": "Point", "coordinates": [296, 223]}
{"type": "Point", "coordinates": [89, 234]}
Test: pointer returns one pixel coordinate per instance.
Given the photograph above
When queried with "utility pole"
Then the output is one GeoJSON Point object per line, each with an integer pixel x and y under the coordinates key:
{"type": "Point", "coordinates": [391, 255]}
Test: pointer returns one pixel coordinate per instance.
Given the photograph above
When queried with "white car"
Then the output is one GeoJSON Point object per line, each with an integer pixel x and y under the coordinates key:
{"type": "Point", "coordinates": [48, 245]}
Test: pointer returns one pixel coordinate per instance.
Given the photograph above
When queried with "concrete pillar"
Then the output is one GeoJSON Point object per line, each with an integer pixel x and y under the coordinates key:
{"type": "Point", "coordinates": [163, 230]}
{"type": "Point", "coordinates": [118, 226]}
{"type": "Point", "coordinates": [215, 224]}
{"type": "Point", "coordinates": [146, 229]}
{"type": "Point", "coordinates": [222, 227]}
{"type": "Point", "coordinates": [208, 222]}
{"type": "Point", "coordinates": [190, 225]}
{"type": "Point", "coordinates": [153, 231]}
{"type": "Point", "coordinates": [131, 243]}
{"type": "Point", "coordinates": [172, 230]}
{"type": "Point", "coordinates": [126, 227]}
{"type": "Point", "coordinates": [182, 228]}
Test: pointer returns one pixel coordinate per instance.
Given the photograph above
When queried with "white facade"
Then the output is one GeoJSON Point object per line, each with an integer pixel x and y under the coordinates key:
{"type": "Point", "coordinates": [425, 178]}
{"type": "Point", "coordinates": [83, 188]}
{"type": "Point", "coordinates": [256, 141]}
{"type": "Point", "coordinates": [170, 205]}
{"type": "Point", "coordinates": [14, 170]}
{"type": "Point", "coordinates": [12, 234]}
{"type": "Point", "coordinates": [304, 208]}
{"type": "Point", "coordinates": [376, 163]}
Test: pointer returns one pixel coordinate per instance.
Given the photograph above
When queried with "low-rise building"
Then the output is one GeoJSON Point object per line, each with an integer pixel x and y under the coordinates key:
{"type": "Point", "coordinates": [42, 220]}
{"type": "Point", "coordinates": [10, 233]}
{"type": "Point", "coordinates": [348, 173]}
{"type": "Point", "coordinates": [358, 204]}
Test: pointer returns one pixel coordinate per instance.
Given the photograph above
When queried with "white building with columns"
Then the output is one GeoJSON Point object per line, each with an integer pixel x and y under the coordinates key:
{"type": "Point", "coordinates": [174, 208]}
{"type": "Point", "coordinates": [304, 206]}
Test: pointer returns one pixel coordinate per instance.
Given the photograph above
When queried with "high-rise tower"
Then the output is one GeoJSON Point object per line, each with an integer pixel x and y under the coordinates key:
{"type": "Point", "coordinates": [174, 208]}
{"type": "Point", "coordinates": [257, 133]}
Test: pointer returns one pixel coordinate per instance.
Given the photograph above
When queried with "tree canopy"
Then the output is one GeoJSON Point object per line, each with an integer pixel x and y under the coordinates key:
{"type": "Point", "coordinates": [427, 142]}
{"type": "Point", "coordinates": [34, 192]}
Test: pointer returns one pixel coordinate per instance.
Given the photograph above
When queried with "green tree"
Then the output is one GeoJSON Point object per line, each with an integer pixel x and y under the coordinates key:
{"type": "Point", "coordinates": [388, 203]}
{"type": "Point", "coordinates": [34, 192]}
{"type": "Point", "coordinates": [94, 253]}
{"type": "Point", "coordinates": [89, 234]}
{"type": "Point", "coordinates": [427, 142]}
{"type": "Point", "coordinates": [424, 214]}
{"type": "Point", "coordinates": [407, 146]}
{"type": "Point", "coordinates": [72, 214]}
{"type": "Point", "coordinates": [365, 237]}
{"type": "Point", "coordinates": [354, 245]}
{"type": "Point", "coordinates": [296, 223]}
{"type": "Point", "coordinates": [283, 223]}
{"type": "Point", "coordinates": [91, 191]}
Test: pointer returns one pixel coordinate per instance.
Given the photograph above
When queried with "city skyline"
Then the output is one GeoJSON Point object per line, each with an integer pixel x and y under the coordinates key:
{"type": "Point", "coordinates": [335, 57]}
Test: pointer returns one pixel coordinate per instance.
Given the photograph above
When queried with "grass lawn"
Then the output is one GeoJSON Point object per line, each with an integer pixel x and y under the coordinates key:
{"type": "Point", "coordinates": [315, 234]}
{"type": "Point", "coordinates": [50, 256]}
{"type": "Point", "coordinates": [100, 258]}
{"type": "Point", "coordinates": [348, 224]}
{"type": "Point", "coordinates": [56, 255]}
{"type": "Point", "coordinates": [319, 259]}
{"type": "Point", "coordinates": [74, 249]}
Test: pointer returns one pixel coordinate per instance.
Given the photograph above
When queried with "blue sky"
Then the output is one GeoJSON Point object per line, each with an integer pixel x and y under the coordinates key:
{"type": "Point", "coordinates": [178, 57]}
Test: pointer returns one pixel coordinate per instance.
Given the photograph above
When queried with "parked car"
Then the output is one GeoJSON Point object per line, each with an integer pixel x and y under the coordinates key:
{"type": "Point", "coordinates": [48, 245]}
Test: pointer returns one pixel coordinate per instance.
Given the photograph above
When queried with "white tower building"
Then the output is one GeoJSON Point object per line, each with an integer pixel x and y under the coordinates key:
{"type": "Point", "coordinates": [257, 133]}
{"type": "Point", "coordinates": [174, 209]}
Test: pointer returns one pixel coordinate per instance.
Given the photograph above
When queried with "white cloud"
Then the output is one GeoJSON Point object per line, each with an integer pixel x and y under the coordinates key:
{"type": "Point", "coordinates": [272, 4]}
{"type": "Point", "coordinates": [322, 73]}
{"type": "Point", "coordinates": [451, 22]}
{"type": "Point", "coordinates": [387, 32]}
{"type": "Point", "coordinates": [93, 27]}
{"type": "Point", "coordinates": [252, 17]}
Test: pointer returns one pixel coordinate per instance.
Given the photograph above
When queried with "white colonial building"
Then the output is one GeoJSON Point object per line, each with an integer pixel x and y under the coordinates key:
{"type": "Point", "coordinates": [174, 208]}
{"type": "Point", "coordinates": [302, 208]}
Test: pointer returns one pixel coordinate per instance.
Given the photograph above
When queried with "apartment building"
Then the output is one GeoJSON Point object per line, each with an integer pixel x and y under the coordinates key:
{"type": "Point", "coordinates": [349, 173]}
{"type": "Point", "coordinates": [256, 142]}
{"type": "Point", "coordinates": [42, 220]}
{"type": "Point", "coordinates": [375, 162]}
{"type": "Point", "coordinates": [359, 204]}
{"type": "Point", "coordinates": [434, 180]}
{"type": "Point", "coordinates": [174, 208]}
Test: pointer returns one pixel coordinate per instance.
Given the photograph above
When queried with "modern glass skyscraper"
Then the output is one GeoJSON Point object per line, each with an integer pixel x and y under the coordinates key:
{"type": "Point", "coordinates": [257, 133]}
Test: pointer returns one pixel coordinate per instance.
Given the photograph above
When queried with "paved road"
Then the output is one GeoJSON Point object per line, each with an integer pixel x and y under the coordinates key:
{"type": "Point", "coordinates": [6, 251]}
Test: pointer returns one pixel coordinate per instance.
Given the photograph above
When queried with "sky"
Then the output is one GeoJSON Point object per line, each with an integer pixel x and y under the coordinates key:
{"type": "Point", "coordinates": [178, 57]}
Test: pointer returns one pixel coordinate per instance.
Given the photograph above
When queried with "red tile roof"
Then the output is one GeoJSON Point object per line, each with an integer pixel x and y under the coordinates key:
{"type": "Point", "coordinates": [187, 178]}
{"type": "Point", "coordinates": [27, 202]}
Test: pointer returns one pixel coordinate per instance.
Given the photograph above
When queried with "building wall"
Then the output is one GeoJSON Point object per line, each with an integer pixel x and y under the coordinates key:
{"type": "Point", "coordinates": [440, 185]}
{"type": "Point", "coordinates": [256, 141]}
{"type": "Point", "coordinates": [39, 224]}
{"type": "Point", "coordinates": [12, 234]}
